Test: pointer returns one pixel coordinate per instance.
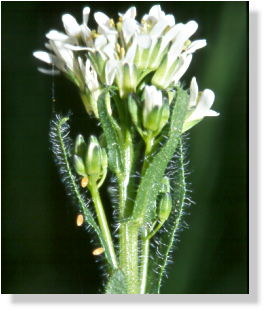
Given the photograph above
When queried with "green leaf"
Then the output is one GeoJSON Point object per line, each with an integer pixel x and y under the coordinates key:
{"type": "Point", "coordinates": [111, 133]}
{"type": "Point", "coordinates": [61, 147]}
{"type": "Point", "coordinates": [117, 283]}
{"type": "Point", "coordinates": [167, 235]}
{"type": "Point", "coordinates": [152, 181]}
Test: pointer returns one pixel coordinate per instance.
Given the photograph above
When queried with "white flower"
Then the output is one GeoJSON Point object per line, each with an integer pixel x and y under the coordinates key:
{"type": "Point", "coordinates": [199, 105]}
{"type": "Point", "coordinates": [73, 29]}
{"type": "Point", "coordinates": [122, 53]}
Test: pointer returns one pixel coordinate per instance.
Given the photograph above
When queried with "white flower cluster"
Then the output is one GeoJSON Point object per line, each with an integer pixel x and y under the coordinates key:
{"type": "Point", "coordinates": [121, 52]}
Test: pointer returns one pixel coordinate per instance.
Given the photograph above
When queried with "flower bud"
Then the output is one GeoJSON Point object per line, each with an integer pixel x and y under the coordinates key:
{"type": "Point", "coordinates": [155, 112]}
{"type": "Point", "coordinates": [93, 159]}
{"type": "Point", "coordinates": [165, 207]}
{"type": "Point", "coordinates": [79, 166]}
{"type": "Point", "coordinates": [80, 146]}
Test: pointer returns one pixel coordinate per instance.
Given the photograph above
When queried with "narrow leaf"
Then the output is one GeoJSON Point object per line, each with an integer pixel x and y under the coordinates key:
{"type": "Point", "coordinates": [164, 240]}
{"type": "Point", "coordinates": [110, 131]}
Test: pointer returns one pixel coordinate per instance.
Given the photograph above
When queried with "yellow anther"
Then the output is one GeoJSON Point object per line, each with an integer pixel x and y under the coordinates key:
{"type": "Point", "coordinates": [118, 48]}
{"type": "Point", "coordinates": [111, 22]}
{"type": "Point", "coordinates": [98, 251]}
{"type": "Point", "coordinates": [120, 19]}
{"type": "Point", "coordinates": [122, 52]}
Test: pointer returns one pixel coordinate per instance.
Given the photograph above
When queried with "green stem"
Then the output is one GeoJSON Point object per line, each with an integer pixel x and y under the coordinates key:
{"type": "Point", "coordinates": [145, 242]}
{"type": "Point", "coordinates": [102, 220]}
{"type": "Point", "coordinates": [128, 232]}
{"type": "Point", "coordinates": [129, 255]}
{"type": "Point", "coordinates": [144, 262]}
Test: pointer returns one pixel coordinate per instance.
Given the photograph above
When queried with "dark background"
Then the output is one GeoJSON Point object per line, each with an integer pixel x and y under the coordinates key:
{"type": "Point", "coordinates": [42, 250]}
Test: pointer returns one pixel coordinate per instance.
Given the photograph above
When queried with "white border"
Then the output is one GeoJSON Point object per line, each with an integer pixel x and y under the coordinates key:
{"type": "Point", "coordinates": [257, 227]}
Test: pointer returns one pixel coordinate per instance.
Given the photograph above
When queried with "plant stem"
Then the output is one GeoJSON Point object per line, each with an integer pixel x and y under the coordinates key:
{"type": "Point", "coordinates": [102, 220]}
{"type": "Point", "coordinates": [128, 232]}
{"type": "Point", "coordinates": [144, 262]}
{"type": "Point", "coordinates": [145, 243]}
{"type": "Point", "coordinates": [129, 255]}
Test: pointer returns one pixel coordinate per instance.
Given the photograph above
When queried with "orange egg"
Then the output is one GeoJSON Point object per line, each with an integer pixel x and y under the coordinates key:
{"type": "Point", "coordinates": [79, 220]}
{"type": "Point", "coordinates": [98, 251]}
{"type": "Point", "coordinates": [84, 182]}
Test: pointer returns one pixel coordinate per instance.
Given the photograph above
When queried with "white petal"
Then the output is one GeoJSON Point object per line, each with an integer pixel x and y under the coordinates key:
{"type": "Point", "coordinates": [44, 56]}
{"type": "Point", "coordinates": [109, 51]}
{"type": "Point", "coordinates": [204, 105]}
{"type": "Point", "coordinates": [207, 98]}
{"type": "Point", "coordinates": [144, 41]}
{"type": "Point", "coordinates": [170, 20]}
{"type": "Point", "coordinates": [159, 27]}
{"type": "Point", "coordinates": [70, 25]}
{"type": "Point", "coordinates": [129, 27]}
{"type": "Point", "coordinates": [48, 71]}
{"type": "Point", "coordinates": [182, 68]}
{"type": "Point", "coordinates": [56, 35]}
{"type": "Point", "coordinates": [156, 11]}
{"type": "Point", "coordinates": [100, 41]}
{"type": "Point", "coordinates": [193, 92]}
{"type": "Point", "coordinates": [86, 12]}
{"type": "Point", "coordinates": [196, 45]}
{"type": "Point", "coordinates": [130, 13]}
{"type": "Point", "coordinates": [190, 28]}
{"type": "Point", "coordinates": [129, 57]}
{"type": "Point", "coordinates": [110, 71]}
{"type": "Point", "coordinates": [77, 48]}
{"type": "Point", "coordinates": [101, 18]}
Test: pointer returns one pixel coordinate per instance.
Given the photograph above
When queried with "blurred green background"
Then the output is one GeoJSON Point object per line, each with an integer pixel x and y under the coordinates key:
{"type": "Point", "coordinates": [42, 250]}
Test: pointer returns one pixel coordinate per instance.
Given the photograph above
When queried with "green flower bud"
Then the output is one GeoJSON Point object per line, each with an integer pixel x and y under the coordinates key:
{"type": "Point", "coordinates": [80, 146]}
{"type": "Point", "coordinates": [79, 166]}
{"type": "Point", "coordinates": [93, 159]}
{"type": "Point", "coordinates": [165, 207]}
{"type": "Point", "coordinates": [155, 111]}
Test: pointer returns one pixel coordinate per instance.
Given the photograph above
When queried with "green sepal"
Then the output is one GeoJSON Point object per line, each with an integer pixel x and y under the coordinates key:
{"type": "Point", "coordinates": [129, 79]}
{"type": "Point", "coordinates": [134, 110]}
{"type": "Point", "coordinates": [189, 125]}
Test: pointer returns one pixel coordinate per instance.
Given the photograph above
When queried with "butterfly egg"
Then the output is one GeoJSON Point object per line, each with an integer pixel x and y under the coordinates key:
{"type": "Point", "coordinates": [84, 182]}
{"type": "Point", "coordinates": [98, 251]}
{"type": "Point", "coordinates": [79, 220]}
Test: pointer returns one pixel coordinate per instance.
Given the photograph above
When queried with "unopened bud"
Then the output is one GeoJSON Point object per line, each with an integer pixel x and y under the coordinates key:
{"type": "Point", "coordinates": [165, 207]}
{"type": "Point", "coordinates": [80, 146]}
{"type": "Point", "coordinates": [155, 112]}
{"type": "Point", "coordinates": [79, 166]}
